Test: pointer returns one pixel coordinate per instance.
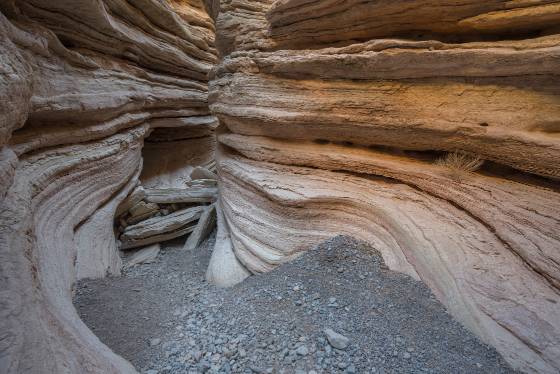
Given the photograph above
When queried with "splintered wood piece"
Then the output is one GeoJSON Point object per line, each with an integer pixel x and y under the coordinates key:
{"type": "Point", "coordinates": [178, 195]}
{"type": "Point", "coordinates": [205, 225]}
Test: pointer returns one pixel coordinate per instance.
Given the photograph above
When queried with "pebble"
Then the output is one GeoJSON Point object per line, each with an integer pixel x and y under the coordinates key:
{"type": "Point", "coordinates": [290, 320]}
{"type": "Point", "coordinates": [337, 340]}
{"type": "Point", "coordinates": [302, 350]}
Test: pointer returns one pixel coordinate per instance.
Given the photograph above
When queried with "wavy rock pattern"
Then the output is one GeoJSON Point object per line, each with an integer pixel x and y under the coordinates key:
{"type": "Point", "coordinates": [82, 85]}
{"type": "Point", "coordinates": [333, 115]}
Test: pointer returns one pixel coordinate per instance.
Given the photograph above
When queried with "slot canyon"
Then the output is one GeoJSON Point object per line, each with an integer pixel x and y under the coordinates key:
{"type": "Point", "coordinates": [426, 130]}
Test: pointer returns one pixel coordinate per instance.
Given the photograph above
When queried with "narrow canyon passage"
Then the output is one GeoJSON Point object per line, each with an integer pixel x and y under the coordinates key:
{"type": "Point", "coordinates": [164, 318]}
{"type": "Point", "coordinates": [198, 152]}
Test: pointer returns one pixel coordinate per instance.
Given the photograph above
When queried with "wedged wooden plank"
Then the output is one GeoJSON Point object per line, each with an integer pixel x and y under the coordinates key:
{"type": "Point", "coordinates": [142, 211]}
{"type": "Point", "coordinates": [140, 218]}
{"type": "Point", "coordinates": [203, 183]}
{"type": "Point", "coordinates": [123, 223]}
{"type": "Point", "coordinates": [181, 195]}
{"type": "Point", "coordinates": [163, 224]}
{"type": "Point", "coordinates": [157, 238]}
{"type": "Point", "coordinates": [205, 225]}
{"type": "Point", "coordinates": [142, 208]}
{"type": "Point", "coordinates": [135, 197]}
{"type": "Point", "coordinates": [202, 173]}
{"type": "Point", "coordinates": [211, 166]}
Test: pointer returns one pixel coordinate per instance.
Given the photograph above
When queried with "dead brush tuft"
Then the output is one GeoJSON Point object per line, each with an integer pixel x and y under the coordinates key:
{"type": "Point", "coordinates": [458, 164]}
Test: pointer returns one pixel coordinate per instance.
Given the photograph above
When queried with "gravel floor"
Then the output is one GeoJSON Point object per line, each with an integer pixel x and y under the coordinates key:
{"type": "Point", "coordinates": [165, 318]}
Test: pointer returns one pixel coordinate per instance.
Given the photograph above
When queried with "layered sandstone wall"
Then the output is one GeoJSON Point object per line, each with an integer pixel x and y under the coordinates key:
{"type": "Point", "coordinates": [334, 115]}
{"type": "Point", "coordinates": [83, 84]}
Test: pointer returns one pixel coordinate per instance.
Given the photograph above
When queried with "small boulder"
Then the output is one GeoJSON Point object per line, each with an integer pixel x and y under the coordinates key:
{"type": "Point", "coordinates": [202, 173]}
{"type": "Point", "coordinates": [302, 350]}
{"type": "Point", "coordinates": [337, 340]}
{"type": "Point", "coordinates": [145, 255]}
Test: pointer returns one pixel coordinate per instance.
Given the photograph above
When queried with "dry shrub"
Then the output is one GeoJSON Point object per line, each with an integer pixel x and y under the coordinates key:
{"type": "Point", "coordinates": [459, 164]}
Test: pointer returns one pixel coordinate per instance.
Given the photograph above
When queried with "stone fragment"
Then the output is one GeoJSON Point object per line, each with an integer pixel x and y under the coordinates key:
{"type": "Point", "coordinates": [155, 341]}
{"type": "Point", "coordinates": [203, 183]}
{"type": "Point", "coordinates": [302, 350]}
{"type": "Point", "coordinates": [337, 340]}
{"type": "Point", "coordinates": [141, 211]}
{"type": "Point", "coordinates": [205, 225]}
{"type": "Point", "coordinates": [202, 173]}
{"type": "Point", "coordinates": [141, 208]}
{"type": "Point", "coordinates": [134, 198]}
{"type": "Point", "coordinates": [123, 222]}
{"type": "Point", "coordinates": [144, 256]}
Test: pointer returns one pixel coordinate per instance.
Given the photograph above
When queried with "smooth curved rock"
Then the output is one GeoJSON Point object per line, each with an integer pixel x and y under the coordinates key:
{"type": "Point", "coordinates": [82, 85]}
{"type": "Point", "coordinates": [224, 269]}
{"type": "Point", "coordinates": [97, 253]}
{"type": "Point", "coordinates": [51, 193]}
{"type": "Point", "coordinates": [334, 115]}
{"type": "Point", "coordinates": [279, 211]}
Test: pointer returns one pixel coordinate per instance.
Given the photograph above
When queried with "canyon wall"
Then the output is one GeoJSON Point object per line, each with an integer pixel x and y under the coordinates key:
{"type": "Point", "coordinates": [83, 84]}
{"type": "Point", "coordinates": [335, 118]}
{"type": "Point", "coordinates": [344, 117]}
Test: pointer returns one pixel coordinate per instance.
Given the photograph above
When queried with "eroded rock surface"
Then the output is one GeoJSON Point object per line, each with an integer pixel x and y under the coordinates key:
{"type": "Point", "coordinates": [334, 115]}
{"type": "Point", "coordinates": [82, 85]}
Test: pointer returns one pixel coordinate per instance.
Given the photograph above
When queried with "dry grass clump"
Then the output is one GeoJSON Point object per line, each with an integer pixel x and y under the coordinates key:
{"type": "Point", "coordinates": [459, 164]}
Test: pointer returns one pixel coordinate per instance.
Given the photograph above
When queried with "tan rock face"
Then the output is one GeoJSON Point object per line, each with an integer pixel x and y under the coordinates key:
{"type": "Point", "coordinates": [83, 85]}
{"type": "Point", "coordinates": [334, 115]}
{"type": "Point", "coordinates": [335, 118]}
{"type": "Point", "coordinates": [309, 23]}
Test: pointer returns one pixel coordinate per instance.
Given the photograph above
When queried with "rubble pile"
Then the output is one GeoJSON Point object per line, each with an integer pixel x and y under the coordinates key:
{"type": "Point", "coordinates": [154, 215]}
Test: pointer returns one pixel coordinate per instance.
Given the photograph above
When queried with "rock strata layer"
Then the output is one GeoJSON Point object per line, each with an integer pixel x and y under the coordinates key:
{"type": "Point", "coordinates": [365, 118]}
